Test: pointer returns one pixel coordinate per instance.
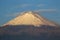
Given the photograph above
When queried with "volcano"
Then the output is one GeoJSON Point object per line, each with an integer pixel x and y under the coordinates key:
{"type": "Point", "coordinates": [30, 26]}
{"type": "Point", "coordinates": [30, 18]}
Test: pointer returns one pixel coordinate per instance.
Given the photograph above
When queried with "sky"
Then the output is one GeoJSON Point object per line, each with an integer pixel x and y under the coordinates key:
{"type": "Point", "coordinates": [49, 9]}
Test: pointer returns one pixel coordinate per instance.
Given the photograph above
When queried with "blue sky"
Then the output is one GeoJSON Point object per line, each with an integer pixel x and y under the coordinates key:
{"type": "Point", "coordinates": [49, 9]}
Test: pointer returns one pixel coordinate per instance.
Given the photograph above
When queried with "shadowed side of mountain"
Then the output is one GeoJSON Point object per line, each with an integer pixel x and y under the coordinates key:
{"type": "Point", "coordinates": [28, 28]}
{"type": "Point", "coordinates": [29, 32]}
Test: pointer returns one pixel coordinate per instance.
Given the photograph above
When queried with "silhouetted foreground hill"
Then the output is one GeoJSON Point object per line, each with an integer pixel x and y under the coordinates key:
{"type": "Point", "coordinates": [29, 32]}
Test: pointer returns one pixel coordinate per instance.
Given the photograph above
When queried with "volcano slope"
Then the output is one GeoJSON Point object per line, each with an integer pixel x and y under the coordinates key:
{"type": "Point", "coordinates": [30, 26]}
{"type": "Point", "coordinates": [29, 32]}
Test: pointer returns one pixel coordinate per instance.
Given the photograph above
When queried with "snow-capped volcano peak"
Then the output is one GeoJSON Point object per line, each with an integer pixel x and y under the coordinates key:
{"type": "Point", "coordinates": [29, 18]}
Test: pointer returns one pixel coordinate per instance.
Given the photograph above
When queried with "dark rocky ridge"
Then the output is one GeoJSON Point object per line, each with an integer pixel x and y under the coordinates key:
{"type": "Point", "coordinates": [29, 32]}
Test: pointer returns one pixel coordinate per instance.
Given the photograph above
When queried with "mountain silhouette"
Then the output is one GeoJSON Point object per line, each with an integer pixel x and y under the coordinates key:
{"type": "Point", "coordinates": [30, 18]}
{"type": "Point", "coordinates": [30, 26]}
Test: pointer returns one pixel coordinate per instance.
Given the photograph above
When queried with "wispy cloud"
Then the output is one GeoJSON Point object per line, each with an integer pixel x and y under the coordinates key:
{"type": "Point", "coordinates": [12, 15]}
{"type": "Point", "coordinates": [41, 5]}
{"type": "Point", "coordinates": [22, 5]}
{"type": "Point", "coordinates": [28, 5]}
{"type": "Point", "coordinates": [40, 10]}
{"type": "Point", "coordinates": [25, 5]}
{"type": "Point", "coordinates": [46, 10]}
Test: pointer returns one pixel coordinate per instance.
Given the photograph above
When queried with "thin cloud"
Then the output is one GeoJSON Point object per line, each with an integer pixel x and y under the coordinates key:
{"type": "Point", "coordinates": [46, 10]}
{"type": "Point", "coordinates": [20, 6]}
{"type": "Point", "coordinates": [40, 5]}
{"type": "Point", "coordinates": [40, 10]}
{"type": "Point", "coordinates": [25, 5]}
{"type": "Point", "coordinates": [12, 15]}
